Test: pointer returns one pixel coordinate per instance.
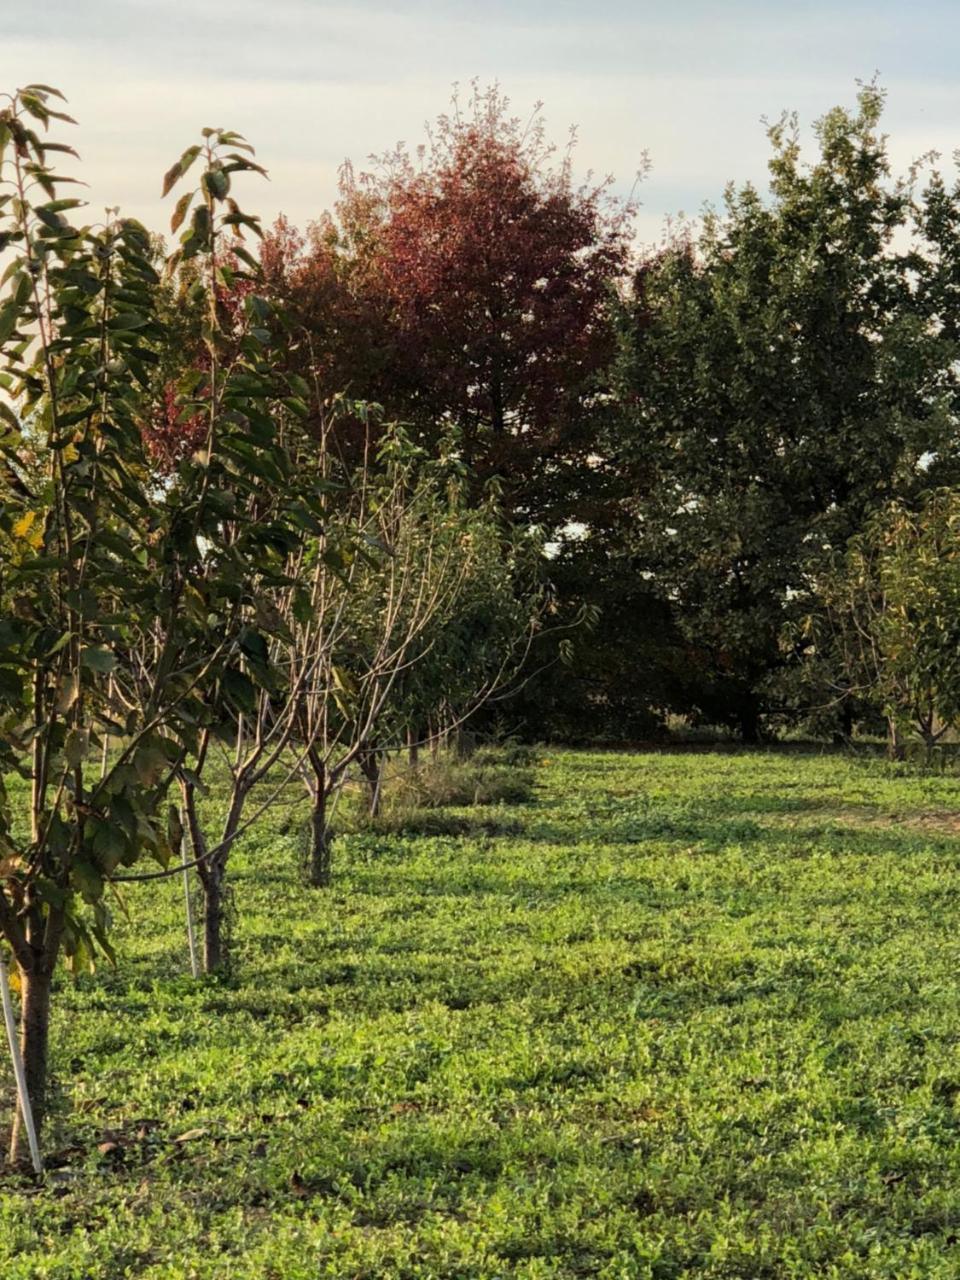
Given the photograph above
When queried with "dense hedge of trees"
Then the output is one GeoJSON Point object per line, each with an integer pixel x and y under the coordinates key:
{"type": "Point", "coordinates": [697, 432]}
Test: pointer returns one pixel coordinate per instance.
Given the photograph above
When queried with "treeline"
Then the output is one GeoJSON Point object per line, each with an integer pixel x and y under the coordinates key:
{"type": "Point", "coordinates": [697, 432]}
{"type": "Point", "coordinates": [275, 505]}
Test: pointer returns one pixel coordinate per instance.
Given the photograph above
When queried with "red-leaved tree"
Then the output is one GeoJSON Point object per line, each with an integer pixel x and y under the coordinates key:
{"type": "Point", "coordinates": [469, 283]}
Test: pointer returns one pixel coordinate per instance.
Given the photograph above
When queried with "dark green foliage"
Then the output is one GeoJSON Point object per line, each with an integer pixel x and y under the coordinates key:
{"type": "Point", "coordinates": [624, 663]}
{"type": "Point", "coordinates": [889, 617]}
{"type": "Point", "coordinates": [779, 384]}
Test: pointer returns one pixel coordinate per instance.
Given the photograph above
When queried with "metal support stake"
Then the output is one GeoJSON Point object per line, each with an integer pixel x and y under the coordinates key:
{"type": "Point", "coordinates": [191, 936]}
{"type": "Point", "coordinates": [21, 1076]}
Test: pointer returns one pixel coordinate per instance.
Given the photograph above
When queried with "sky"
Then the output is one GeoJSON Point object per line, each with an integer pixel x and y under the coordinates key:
{"type": "Point", "coordinates": [311, 83]}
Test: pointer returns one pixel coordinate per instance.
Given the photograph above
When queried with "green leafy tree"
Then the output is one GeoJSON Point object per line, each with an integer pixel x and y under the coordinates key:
{"type": "Point", "coordinates": [229, 436]}
{"type": "Point", "coordinates": [890, 622]}
{"type": "Point", "coordinates": [104, 633]}
{"type": "Point", "coordinates": [779, 382]}
{"type": "Point", "coordinates": [623, 664]}
{"type": "Point", "coordinates": [80, 578]}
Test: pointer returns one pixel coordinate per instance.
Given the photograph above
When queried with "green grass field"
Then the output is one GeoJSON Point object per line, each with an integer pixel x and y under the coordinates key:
{"type": "Point", "coordinates": [693, 1014]}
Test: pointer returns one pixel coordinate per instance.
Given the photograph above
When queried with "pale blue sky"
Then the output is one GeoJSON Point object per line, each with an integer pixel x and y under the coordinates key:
{"type": "Point", "coordinates": [311, 82]}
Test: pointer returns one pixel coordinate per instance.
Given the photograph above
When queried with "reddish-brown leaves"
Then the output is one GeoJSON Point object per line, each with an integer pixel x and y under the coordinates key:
{"type": "Point", "coordinates": [466, 284]}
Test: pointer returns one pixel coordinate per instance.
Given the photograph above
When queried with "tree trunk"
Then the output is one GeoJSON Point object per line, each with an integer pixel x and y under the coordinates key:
{"type": "Point", "coordinates": [35, 984]}
{"type": "Point", "coordinates": [749, 716]}
{"type": "Point", "coordinates": [212, 868]}
{"type": "Point", "coordinates": [843, 733]}
{"type": "Point", "coordinates": [210, 874]}
{"type": "Point", "coordinates": [212, 880]}
{"type": "Point", "coordinates": [413, 747]}
{"type": "Point", "coordinates": [894, 741]}
{"type": "Point", "coordinates": [846, 722]}
{"type": "Point", "coordinates": [929, 731]}
{"type": "Point", "coordinates": [376, 795]}
{"type": "Point", "coordinates": [371, 765]}
{"type": "Point", "coordinates": [321, 861]}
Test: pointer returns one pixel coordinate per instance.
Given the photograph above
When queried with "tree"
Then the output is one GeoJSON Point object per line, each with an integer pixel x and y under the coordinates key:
{"type": "Point", "coordinates": [778, 384]}
{"type": "Point", "coordinates": [230, 418]}
{"type": "Point", "coordinates": [482, 275]}
{"type": "Point", "coordinates": [103, 633]}
{"type": "Point", "coordinates": [890, 620]}
{"type": "Point", "coordinates": [79, 574]}
{"type": "Point", "coordinates": [624, 663]}
{"type": "Point", "coordinates": [473, 657]}
{"type": "Point", "coordinates": [384, 627]}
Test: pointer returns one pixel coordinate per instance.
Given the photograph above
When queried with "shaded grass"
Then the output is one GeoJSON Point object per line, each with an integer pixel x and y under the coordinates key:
{"type": "Point", "coordinates": [682, 1016]}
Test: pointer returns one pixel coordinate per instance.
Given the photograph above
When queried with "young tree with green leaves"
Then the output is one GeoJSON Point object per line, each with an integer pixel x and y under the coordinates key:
{"type": "Point", "coordinates": [103, 631]}
{"type": "Point", "coordinates": [890, 618]}
{"type": "Point", "coordinates": [80, 578]}
{"type": "Point", "coordinates": [231, 418]}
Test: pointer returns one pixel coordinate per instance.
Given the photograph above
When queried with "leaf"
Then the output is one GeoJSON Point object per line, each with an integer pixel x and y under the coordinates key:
{"type": "Point", "coordinates": [200, 222]}
{"type": "Point", "coordinates": [48, 89]}
{"type": "Point", "coordinates": [180, 212]}
{"type": "Point", "coordinates": [50, 891]}
{"type": "Point", "coordinates": [50, 219]}
{"type": "Point", "coordinates": [344, 680]}
{"type": "Point", "coordinates": [122, 812]}
{"type": "Point", "coordinates": [241, 162]}
{"type": "Point", "coordinates": [59, 206]}
{"type": "Point", "coordinates": [191, 1135]}
{"type": "Point", "coordinates": [298, 406]}
{"type": "Point", "coordinates": [128, 320]}
{"type": "Point", "coordinates": [150, 764]}
{"type": "Point", "coordinates": [97, 658]}
{"type": "Point", "coordinates": [9, 315]}
{"type": "Point", "coordinates": [240, 690]}
{"type": "Point", "coordinates": [69, 693]}
{"type": "Point", "coordinates": [11, 685]}
{"type": "Point", "coordinates": [245, 256]}
{"type": "Point", "coordinates": [179, 170]}
{"type": "Point", "coordinates": [110, 846]}
{"type": "Point", "coordinates": [87, 880]}
{"type": "Point", "coordinates": [34, 107]}
{"type": "Point", "coordinates": [216, 183]}
{"type": "Point", "coordinates": [302, 607]}
{"type": "Point", "coordinates": [75, 747]}
{"type": "Point", "coordinates": [22, 527]}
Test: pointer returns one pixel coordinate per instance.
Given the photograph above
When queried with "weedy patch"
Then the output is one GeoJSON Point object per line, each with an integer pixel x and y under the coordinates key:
{"type": "Point", "coordinates": [449, 782]}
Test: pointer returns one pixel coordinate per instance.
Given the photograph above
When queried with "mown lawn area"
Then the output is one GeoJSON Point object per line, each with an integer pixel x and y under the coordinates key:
{"type": "Point", "coordinates": [689, 1014]}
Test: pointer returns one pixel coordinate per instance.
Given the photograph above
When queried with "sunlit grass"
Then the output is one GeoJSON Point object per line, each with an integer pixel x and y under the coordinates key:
{"type": "Point", "coordinates": [694, 1015]}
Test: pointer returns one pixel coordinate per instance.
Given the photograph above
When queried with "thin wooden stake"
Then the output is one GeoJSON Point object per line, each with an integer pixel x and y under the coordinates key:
{"type": "Point", "coordinates": [191, 936]}
{"type": "Point", "coordinates": [21, 1077]}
